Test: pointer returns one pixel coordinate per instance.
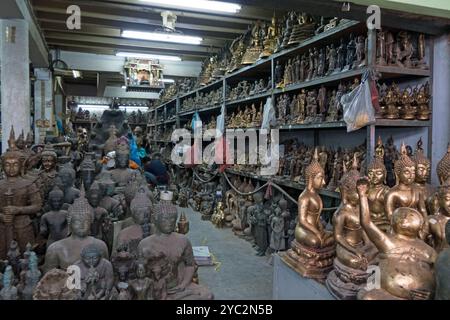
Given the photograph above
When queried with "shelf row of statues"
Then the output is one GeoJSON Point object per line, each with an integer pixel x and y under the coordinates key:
{"type": "Point", "coordinates": [98, 218]}
{"type": "Point", "coordinates": [246, 117]}
{"type": "Point", "coordinates": [407, 104]}
{"type": "Point", "coordinates": [202, 99]}
{"type": "Point", "coordinates": [244, 89]}
{"type": "Point", "coordinates": [317, 63]}
{"type": "Point", "coordinates": [179, 88]}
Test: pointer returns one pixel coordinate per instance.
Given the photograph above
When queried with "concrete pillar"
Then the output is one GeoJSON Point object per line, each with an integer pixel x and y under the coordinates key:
{"type": "Point", "coordinates": [43, 104]}
{"type": "Point", "coordinates": [15, 78]}
{"type": "Point", "coordinates": [441, 101]}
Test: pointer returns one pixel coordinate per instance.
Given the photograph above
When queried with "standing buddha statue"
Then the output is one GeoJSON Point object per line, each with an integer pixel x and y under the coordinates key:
{"type": "Point", "coordinates": [48, 172]}
{"type": "Point", "coordinates": [423, 169]}
{"type": "Point", "coordinates": [20, 199]}
{"type": "Point", "coordinates": [313, 249]}
{"type": "Point", "coordinates": [354, 250]}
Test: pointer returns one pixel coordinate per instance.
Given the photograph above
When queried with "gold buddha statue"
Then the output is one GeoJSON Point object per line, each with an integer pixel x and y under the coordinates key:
{"type": "Point", "coordinates": [423, 99]}
{"type": "Point", "coordinates": [376, 172]}
{"type": "Point", "coordinates": [313, 249]}
{"type": "Point", "coordinates": [20, 200]}
{"type": "Point", "coordinates": [354, 250]}
{"type": "Point", "coordinates": [270, 41]}
{"type": "Point", "coordinates": [391, 101]}
{"type": "Point", "coordinates": [423, 168]}
{"type": "Point", "coordinates": [443, 168]}
{"type": "Point", "coordinates": [439, 220]}
{"type": "Point", "coordinates": [405, 193]}
{"type": "Point", "coordinates": [408, 111]}
{"type": "Point", "coordinates": [405, 262]}
{"type": "Point", "coordinates": [255, 49]}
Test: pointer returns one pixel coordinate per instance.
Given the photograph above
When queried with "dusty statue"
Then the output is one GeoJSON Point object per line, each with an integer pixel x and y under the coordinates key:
{"type": "Point", "coordinates": [66, 252]}
{"type": "Point", "coordinates": [354, 250]}
{"type": "Point", "coordinates": [178, 250]}
{"type": "Point", "coordinates": [313, 249]}
{"type": "Point", "coordinates": [53, 225]}
{"type": "Point", "coordinates": [20, 200]}
{"type": "Point", "coordinates": [405, 193]}
{"type": "Point", "coordinates": [405, 261]}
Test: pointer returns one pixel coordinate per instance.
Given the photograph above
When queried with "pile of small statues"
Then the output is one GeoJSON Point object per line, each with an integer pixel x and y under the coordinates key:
{"type": "Point", "coordinates": [403, 49]}
{"type": "Point", "coordinates": [247, 117]}
{"type": "Point", "coordinates": [261, 41]}
{"type": "Point", "coordinates": [312, 106]}
{"type": "Point", "coordinates": [179, 88]}
{"type": "Point", "coordinates": [406, 104]}
{"type": "Point", "coordinates": [138, 117]}
{"type": "Point", "coordinates": [322, 62]}
{"type": "Point", "coordinates": [244, 89]}
{"type": "Point", "coordinates": [202, 99]}
{"type": "Point", "coordinates": [98, 219]}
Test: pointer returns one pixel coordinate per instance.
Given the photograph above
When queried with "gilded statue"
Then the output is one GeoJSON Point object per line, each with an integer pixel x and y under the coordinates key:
{"type": "Point", "coordinates": [405, 261]}
{"type": "Point", "coordinates": [443, 168]}
{"type": "Point", "coordinates": [20, 200]}
{"type": "Point", "coordinates": [439, 220]}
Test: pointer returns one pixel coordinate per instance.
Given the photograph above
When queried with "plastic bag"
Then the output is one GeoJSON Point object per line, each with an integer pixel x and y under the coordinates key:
{"type": "Point", "coordinates": [269, 118]}
{"type": "Point", "coordinates": [357, 105]}
{"type": "Point", "coordinates": [221, 121]}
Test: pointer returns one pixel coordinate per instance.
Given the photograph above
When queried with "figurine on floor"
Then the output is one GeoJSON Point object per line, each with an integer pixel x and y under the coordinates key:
{"type": "Point", "coordinates": [97, 277]}
{"type": "Point", "coordinates": [65, 252]}
{"type": "Point", "coordinates": [277, 224]}
{"type": "Point", "coordinates": [9, 291]}
{"type": "Point", "coordinates": [178, 249]}
{"type": "Point", "coordinates": [405, 261]}
{"type": "Point", "coordinates": [142, 286]}
{"type": "Point", "coordinates": [257, 218]}
{"type": "Point", "coordinates": [442, 269]}
{"type": "Point", "coordinates": [32, 277]}
{"type": "Point", "coordinates": [53, 225]}
{"type": "Point", "coordinates": [439, 220]}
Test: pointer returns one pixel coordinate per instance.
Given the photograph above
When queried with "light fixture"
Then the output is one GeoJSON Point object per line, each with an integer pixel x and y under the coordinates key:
{"type": "Point", "coordinates": [345, 7]}
{"type": "Point", "coordinates": [147, 56]}
{"type": "Point", "coordinates": [76, 74]}
{"type": "Point", "coordinates": [132, 108]}
{"type": "Point", "coordinates": [202, 5]}
{"type": "Point", "coordinates": [124, 87]}
{"type": "Point", "coordinates": [93, 107]}
{"type": "Point", "coordinates": [168, 80]}
{"type": "Point", "coordinates": [161, 36]}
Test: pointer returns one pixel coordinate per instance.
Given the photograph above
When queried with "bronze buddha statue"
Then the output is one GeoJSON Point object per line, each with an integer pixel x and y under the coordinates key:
{"type": "Point", "coordinates": [443, 168]}
{"type": "Point", "coordinates": [439, 220]}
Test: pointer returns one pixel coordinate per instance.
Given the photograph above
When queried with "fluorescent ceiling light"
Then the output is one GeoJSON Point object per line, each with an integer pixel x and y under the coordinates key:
{"type": "Point", "coordinates": [202, 5]}
{"type": "Point", "coordinates": [168, 80]}
{"type": "Point", "coordinates": [133, 108]}
{"type": "Point", "coordinates": [147, 56]}
{"type": "Point", "coordinates": [124, 87]}
{"type": "Point", "coordinates": [161, 36]}
{"type": "Point", "coordinates": [76, 74]}
{"type": "Point", "coordinates": [93, 107]}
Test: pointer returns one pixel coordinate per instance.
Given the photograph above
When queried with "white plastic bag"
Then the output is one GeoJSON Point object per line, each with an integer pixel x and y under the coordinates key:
{"type": "Point", "coordinates": [357, 106]}
{"type": "Point", "coordinates": [221, 121]}
{"type": "Point", "coordinates": [269, 118]}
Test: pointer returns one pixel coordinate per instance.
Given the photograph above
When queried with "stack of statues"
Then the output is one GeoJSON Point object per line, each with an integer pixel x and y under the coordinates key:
{"type": "Point", "coordinates": [312, 106]}
{"type": "Point", "coordinates": [407, 104]}
{"type": "Point", "coordinates": [248, 117]}
{"type": "Point", "coordinates": [244, 89]}
{"type": "Point", "coordinates": [401, 49]}
{"type": "Point", "coordinates": [123, 243]}
{"type": "Point", "coordinates": [202, 99]}
{"type": "Point", "coordinates": [317, 63]}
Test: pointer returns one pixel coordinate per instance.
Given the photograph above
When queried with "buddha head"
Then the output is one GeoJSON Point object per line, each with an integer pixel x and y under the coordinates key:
{"type": "Point", "coordinates": [95, 194]}
{"type": "Point", "coordinates": [67, 176]}
{"type": "Point", "coordinates": [444, 199]}
{"type": "Point", "coordinates": [13, 159]}
{"type": "Point", "coordinates": [443, 168]}
{"type": "Point", "coordinates": [56, 199]}
{"type": "Point", "coordinates": [423, 164]}
{"type": "Point", "coordinates": [376, 171]}
{"type": "Point", "coordinates": [165, 217]}
{"type": "Point", "coordinates": [314, 173]}
{"type": "Point", "coordinates": [347, 185]}
{"type": "Point", "coordinates": [87, 169]}
{"type": "Point", "coordinates": [406, 222]}
{"type": "Point", "coordinates": [405, 168]}
{"type": "Point", "coordinates": [91, 255]}
{"type": "Point", "coordinates": [80, 216]}
{"type": "Point", "coordinates": [122, 155]}
{"type": "Point", "coordinates": [20, 142]}
{"type": "Point", "coordinates": [49, 158]}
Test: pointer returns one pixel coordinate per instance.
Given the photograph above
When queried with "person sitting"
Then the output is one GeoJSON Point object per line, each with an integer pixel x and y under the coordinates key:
{"type": "Point", "coordinates": [155, 170]}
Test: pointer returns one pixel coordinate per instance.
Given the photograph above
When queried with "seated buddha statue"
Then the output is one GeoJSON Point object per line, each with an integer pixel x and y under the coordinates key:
{"type": "Point", "coordinates": [376, 172]}
{"type": "Point", "coordinates": [313, 249]}
{"type": "Point", "coordinates": [405, 193]}
{"type": "Point", "coordinates": [405, 261]}
{"type": "Point", "coordinates": [20, 200]}
{"type": "Point", "coordinates": [438, 221]}
{"type": "Point", "coordinates": [65, 252]}
{"type": "Point", "coordinates": [177, 249]}
{"type": "Point", "coordinates": [354, 250]}
{"type": "Point", "coordinates": [122, 174]}
{"type": "Point", "coordinates": [423, 169]}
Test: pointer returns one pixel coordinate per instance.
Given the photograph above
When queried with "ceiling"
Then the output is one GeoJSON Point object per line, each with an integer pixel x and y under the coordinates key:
{"type": "Point", "coordinates": [103, 21]}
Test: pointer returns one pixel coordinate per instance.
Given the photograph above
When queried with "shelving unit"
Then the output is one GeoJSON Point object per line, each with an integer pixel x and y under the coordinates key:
{"type": "Point", "coordinates": [265, 68]}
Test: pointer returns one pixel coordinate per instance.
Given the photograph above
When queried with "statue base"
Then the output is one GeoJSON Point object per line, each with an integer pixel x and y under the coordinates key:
{"type": "Point", "coordinates": [313, 263]}
{"type": "Point", "coordinates": [251, 55]}
{"type": "Point", "coordinates": [344, 283]}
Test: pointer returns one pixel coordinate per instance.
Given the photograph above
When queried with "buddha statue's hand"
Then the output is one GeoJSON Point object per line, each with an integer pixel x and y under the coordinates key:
{"type": "Point", "coordinates": [363, 186]}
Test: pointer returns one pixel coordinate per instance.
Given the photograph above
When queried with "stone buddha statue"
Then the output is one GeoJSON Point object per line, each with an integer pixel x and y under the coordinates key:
{"type": "Point", "coordinates": [354, 250]}
{"type": "Point", "coordinates": [20, 200]}
{"type": "Point", "coordinates": [66, 175]}
{"type": "Point", "coordinates": [178, 251]}
{"type": "Point", "coordinates": [313, 249]}
{"type": "Point", "coordinates": [54, 222]}
{"type": "Point", "coordinates": [438, 221]}
{"type": "Point", "coordinates": [48, 172]}
{"type": "Point", "coordinates": [66, 252]}
{"type": "Point", "coordinates": [122, 174]}
{"type": "Point", "coordinates": [405, 261]}
{"type": "Point", "coordinates": [100, 214]}
{"type": "Point", "coordinates": [142, 286]}
{"type": "Point", "coordinates": [112, 205]}
{"type": "Point", "coordinates": [141, 212]}
{"type": "Point", "coordinates": [443, 168]}
{"type": "Point", "coordinates": [405, 193]}
{"type": "Point", "coordinates": [376, 172]}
